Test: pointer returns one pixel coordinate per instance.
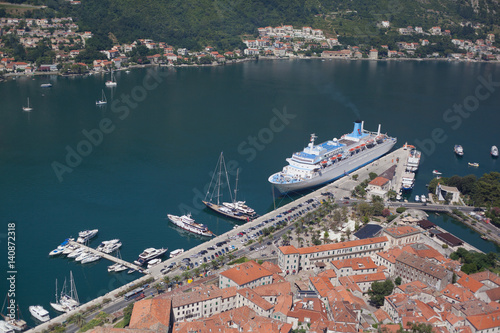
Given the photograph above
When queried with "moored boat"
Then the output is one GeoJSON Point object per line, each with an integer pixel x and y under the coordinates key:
{"type": "Point", "coordinates": [176, 252]}
{"type": "Point", "coordinates": [86, 235]}
{"type": "Point", "coordinates": [407, 181]}
{"type": "Point", "coordinates": [417, 198]}
{"type": "Point", "coordinates": [187, 223]}
{"type": "Point", "coordinates": [149, 254]}
{"type": "Point", "coordinates": [325, 162]}
{"type": "Point", "coordinates": [46, 85]}
{"type": "Point", "coordinates": [413, 160]}
{"type": "Point", "coordinates": [38, 312]}
{"type": "Point", "coordinates": [154, 262]}
{"type": "Point", "coordinates": [473, 164]}
{"type": "Point", "coordinates": [435, 172]}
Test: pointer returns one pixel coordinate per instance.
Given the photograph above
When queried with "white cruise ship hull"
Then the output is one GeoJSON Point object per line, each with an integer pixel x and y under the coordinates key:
{"type": "Point", "coordinates": [338, 170]}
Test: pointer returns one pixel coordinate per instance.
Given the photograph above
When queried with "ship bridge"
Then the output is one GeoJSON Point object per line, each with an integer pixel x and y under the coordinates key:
{"type": "Point", "coordinates": [314, 153]}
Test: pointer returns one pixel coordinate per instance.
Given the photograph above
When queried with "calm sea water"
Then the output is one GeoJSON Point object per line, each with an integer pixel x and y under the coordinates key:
{"type": "Point", "coordinates": [158, 157]}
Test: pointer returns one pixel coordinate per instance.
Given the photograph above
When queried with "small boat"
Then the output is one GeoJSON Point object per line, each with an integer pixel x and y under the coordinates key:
{"type": "Point", "coordinates": [27, 108]}
{"type": "Point", "coordinates": [494, 151]}
{"type": "Point", "coordinates": [459, 150]}
{"type": "Point", "coordinates": [103, 99]}
{"type": "Point", "coordinates": [38, 312]}
{"type": "Point", "coordinates": [70, 249]}
{"type": "Point", "coordinates": [154, 262]}
{"type": "Point", "coordinates": [76, 253]}
{"type": "Point", "coordinates": [473, 164]}
{"type": "Point", "coordinates": [46, 85]}
{"type": "Point", "coordinates": [398, 197]}
{"type": "Point", "coordinates": [176, 252]}
{"type": "Point", "coordinates": [90, 259]}
{"type": "Point", "coordinates": [130, 271]}
{"type": "Point", "coordinates": [417, 198]}
{"type": "Point", "coordinates": [484, 237]}
{"type": "Point", "coordinates": [104, 244]}
{"type": "Point", "coordinates": [16, 323]}
{"type": "Point", "coordinates": [83, 255]}
{"type": "Point", "coordinates": [86, 235]}
{"type": "Point", "coordinates": [5, 327]}
{"type": "Point", "coordinates": [435, 172]}
{"type": "Point", "coordinates": [149, 254]}
{"type": "Point", "coordinates": [60, 248]}
{"type": "Point", "coordinates": [112, 82]}
{"type": "Point", "coordinates": [423, 198]}
{"type": "Point", "coordinates": [127, 71]}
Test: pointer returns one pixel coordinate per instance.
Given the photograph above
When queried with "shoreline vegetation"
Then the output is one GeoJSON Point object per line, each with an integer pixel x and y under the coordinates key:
{"type": "Point", "coordinates": [236, 61]}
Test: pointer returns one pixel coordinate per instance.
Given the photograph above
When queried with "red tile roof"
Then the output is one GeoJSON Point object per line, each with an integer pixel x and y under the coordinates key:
{"type": "Point", "coordinates": [485, 321]}
{"type": "Point", "coordinates": [246, 273]}
{"type": "Point", "coordinates": [151, 314]}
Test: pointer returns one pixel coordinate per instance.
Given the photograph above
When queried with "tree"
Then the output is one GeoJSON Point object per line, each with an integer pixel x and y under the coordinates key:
{"type": "Point", "coordinates": [355, 177]}
{"type": "Point", "coordinates": [127, 313]}
{"type": "Point", "coordinates": [372, 175]}
{"type": "Point", "coordinates": [166, 279]}
{"type": "Point", "coordinates": [379, 290]}
{"type": "Point", "coordinates": [397, 281]}
{"type": "Point", "coordinates": [177, 278]}
{"type": "Point", "coordinates": [78, 319]}
{"type": "Point", "coordinates": [420, 327]}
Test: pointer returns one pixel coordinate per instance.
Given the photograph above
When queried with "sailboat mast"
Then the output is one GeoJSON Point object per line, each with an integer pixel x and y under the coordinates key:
{"type": "Point", "coordinates": [56, 292]}
{"type": "Point", "coordinates": [218, 176]}
{"type": "Point", "coordinates": [236, 186]}
{"type": "Point", "coordinates": [73, 293]}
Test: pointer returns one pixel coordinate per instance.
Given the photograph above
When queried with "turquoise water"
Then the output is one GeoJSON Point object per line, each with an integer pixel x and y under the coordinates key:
{"type": "Point", "coordinates": [158, 150]}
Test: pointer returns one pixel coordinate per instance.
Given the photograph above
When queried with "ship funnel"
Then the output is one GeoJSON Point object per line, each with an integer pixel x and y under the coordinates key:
{"type": "Point", "coordinates": [378, 132]}
{"type": "Point", "coordinates": [358, 127]}
{"type": "Point", "coordinates": [362, 125]}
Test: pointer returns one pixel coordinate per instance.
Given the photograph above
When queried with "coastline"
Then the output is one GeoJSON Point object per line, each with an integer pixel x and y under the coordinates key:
{"type": "Point", "coordinates": [238, 61]}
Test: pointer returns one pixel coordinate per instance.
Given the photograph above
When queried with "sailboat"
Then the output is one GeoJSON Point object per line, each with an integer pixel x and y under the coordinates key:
{"type": "Point", "coordinates": [103, 100]}
{"type": "Point", "coordinates": [27, 108]}
{"type": "Point", "coordinates": [112, 82]}
{"type": "Point", "coordinates": [215, 191]}
{"type": "Point", "coordinates": [239, 206]}
{"type": "Point", "coordinates": [65, 302]}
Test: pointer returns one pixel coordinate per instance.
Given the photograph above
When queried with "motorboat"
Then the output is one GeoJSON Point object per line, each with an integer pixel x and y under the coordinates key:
{"type": "Point", "coordinates": [5, 327]}
{"type": "Point", "coordinates": [38, 312]}
{"type": "Point", "coordinates": [46, 85]}
{"type": "Point", "coordinates": [417, 198]}
{"type": "Point", "coordinates": [494, 151]}
{"type": "Point", "coordinates": [459, 150]}
{"type": "Point", "coordinates": [435, 172]}
{"type": "Point", "coordinates": [61, 247]}
{"type": "Point", "coordinates": [83, 255]}
{"type": "Point", "coordinates": [423, 198]}
{"type": "Point", "coordinates": [154, 262]}
{"type": "Point", "coordinates": [86, 235]}
{"type": "Point", "coordinates": [76, 253]}
{"type": "Point", "coordinates": [107, 243]}
{"type": "Point", "coordinates": [175, 253]}
{"type": "Point", "coordinates": [149, 254]}
{"type": "Point", "coordinates": [112, 248]}
{"type": "Point", "coordinates": [473, 164]}
{"type": "Point", "coordinates": [90, 259]}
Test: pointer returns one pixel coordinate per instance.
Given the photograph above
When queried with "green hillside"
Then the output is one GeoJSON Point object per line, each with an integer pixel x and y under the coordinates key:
{"type": "Point", "coordinates": [221, 23]}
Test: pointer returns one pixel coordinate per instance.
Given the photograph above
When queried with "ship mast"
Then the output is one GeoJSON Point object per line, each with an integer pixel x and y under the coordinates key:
{"type": "Point", "coordinates": [236, 186]}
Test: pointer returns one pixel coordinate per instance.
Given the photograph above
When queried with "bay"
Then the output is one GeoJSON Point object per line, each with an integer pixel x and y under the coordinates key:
{"type": "Point", "coordinates": [164, 144]}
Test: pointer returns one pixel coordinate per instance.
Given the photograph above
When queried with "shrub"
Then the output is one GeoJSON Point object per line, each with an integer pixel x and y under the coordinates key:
{"type": "Point", "coordinates": [400, 210]}
{"type": "Point", "coordinates": [391, 217]}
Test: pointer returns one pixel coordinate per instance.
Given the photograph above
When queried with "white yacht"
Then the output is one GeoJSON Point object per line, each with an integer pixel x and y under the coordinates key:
{"type": "Point", "coordinates": [111, 247]}
{"type": "Point", "coordinates": [175, 253]}
{"type": "Point", "coordinates": [107, 243]}
{"type": "Point", "coordinates": [494, 151]}
{"type": "Point", "coordinates": [39, 313]}
{"type": "Point", "coordinates": [83, 255]}
{"type": "Point", "coordinates": [86, 235]}
{"type": "Point", "coordinates": [5, 327]}
{"type": "Point", "coordinates": [186, 222]}
{"type": "Point", "coordinates": [154, 262]}
{"type": "Point", "coordinates": [60, 248]}
{"type": "Point", "coordinates": [76, 253]}
{"type": "Point", "coordinates": [149, 254]}
{"type": "Point", "coordinates": [91, 258]}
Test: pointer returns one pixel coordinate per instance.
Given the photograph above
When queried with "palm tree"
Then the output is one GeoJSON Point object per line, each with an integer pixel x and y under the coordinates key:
{"type": "Point", "coordinates": [186, 275]}
{"type": "Point", "coordinates": [177, 278]}
{"type": "Point", "coordinates": [204, 266]}
{"type": "Point", "coordinates": [166, 279]}
{"type": "Point", "coordinates": [230, 256]}
{"type": "Point", "coordinates": [214, 264]}
{"type": "Point", "coordinates": [196, 272]}
{"type": "Point", "coordinates": [79, 319]}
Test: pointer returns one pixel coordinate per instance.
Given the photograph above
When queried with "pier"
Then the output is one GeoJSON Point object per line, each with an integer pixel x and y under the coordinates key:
{"type": "Point", "coordinates": [106, 256]}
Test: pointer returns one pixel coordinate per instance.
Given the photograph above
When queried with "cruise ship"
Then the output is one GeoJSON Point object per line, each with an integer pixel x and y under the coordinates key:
{"type": "Point", "coordinates": [186, 222]}
{"type": "Point", "coordinates": [323, 163]}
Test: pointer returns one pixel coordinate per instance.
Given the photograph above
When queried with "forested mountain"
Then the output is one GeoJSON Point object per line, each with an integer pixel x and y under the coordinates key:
{"type": "Point", "coordinates": [221, 23]}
